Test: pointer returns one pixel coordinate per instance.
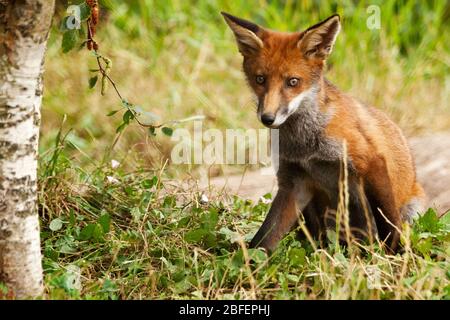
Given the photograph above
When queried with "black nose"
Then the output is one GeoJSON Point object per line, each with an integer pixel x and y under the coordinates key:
{"type": "Point", "coordinates": [267, 119]}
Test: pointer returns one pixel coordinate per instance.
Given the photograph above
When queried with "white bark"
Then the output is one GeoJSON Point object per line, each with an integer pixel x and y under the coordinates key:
{"type": "Point", "coordinates": [24, 27]}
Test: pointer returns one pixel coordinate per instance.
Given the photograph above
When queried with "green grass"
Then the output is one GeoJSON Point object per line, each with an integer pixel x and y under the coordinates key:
{"type": "Point", "coordinates": [132, 233]}
{"type": "Point", "coordinates": [121, 235]}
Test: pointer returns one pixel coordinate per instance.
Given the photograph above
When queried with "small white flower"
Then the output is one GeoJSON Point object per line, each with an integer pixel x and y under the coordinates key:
{"type": "Point", "coordinates": [204, 199]}
{"type": "Point", "coordinates": [112, 180]}
{"type": "Point", "coordinates": [115, 164]}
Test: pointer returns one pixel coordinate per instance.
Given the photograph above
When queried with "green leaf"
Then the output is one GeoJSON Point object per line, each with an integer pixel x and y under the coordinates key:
{"type": "Point", "coordinates": [127, 116]}
{"type": "Point", "coordinates": [179, 276]}
{"type": "Point", "coordinates": [93, 82]}
{"type": "Point", "coordinates": [56, 224]}
{"type": "Point", "coordinates": [97, 233]}
{"type": "Point", "coordinates": [51, 253]}
{"type": "Point", "coordinates": [445, 219]}
{"type": "Point", "coordinates": [429, 221]}
{"type": "Point", "coordinates": [267, 196]}
{"type": "Point", "coordinates": [87, 232]}
{"type": "Point", "coordinates": [121, 127]}
{"type": "Point", "coordinates": [111, 113]}
{"type": "Point", "coordinates": [297, 256]}
{"type": "Point", "coordinates": [210, 219]}
{"type": "Point", "coordinates": [72, 219]}
{"type": "Point", "coordinates": [341, 258]}
{"type": "Point", "coordinates": [67, 248]}
{"type": "Point", "coordinates": [210, 240]}
{"type": "Point", "coordinates": [183, 222]}
{"type": "Point", "coordinates": [195, 236]}
{"type": "Point", "coordinates": [230, 235]}
{"type": "Point", "coordinates": [69, 40]}
{"type": "Point", "coordinates": [167, 131]}
{"type": "Point", "coordinates": [169, 202]}
{"type": "Point", "coordinates": [81, 34]}
{"type": "Point", "coordinates": [292, 278]}
{"type": "Point", "coordinates": [238, 259]}
{"type": "Point", "coordinates": [257, 255]}
{"type": "Point", "coordinates": [69, 281]}
{"type": "Point", "coordinates": [332, 236]}
{"type": "Point", "coordinates": [149, 183]}
{"type": "Point", "coordinates": [424, 246]}
{"type": "Point", "coordinates": [85, 11]}
{"type": "Point", "coordinates": [109, 287]}
{"type": "Point", "coordinates": [105, 222]}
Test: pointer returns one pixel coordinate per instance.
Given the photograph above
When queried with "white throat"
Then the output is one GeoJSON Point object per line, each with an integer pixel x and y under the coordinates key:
{"type": "Point", "coordinates": [294, 104]}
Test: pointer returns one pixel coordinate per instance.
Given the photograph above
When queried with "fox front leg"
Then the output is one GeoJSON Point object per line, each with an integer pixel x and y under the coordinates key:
{"type": "Point", "coordinates": [283, 215]}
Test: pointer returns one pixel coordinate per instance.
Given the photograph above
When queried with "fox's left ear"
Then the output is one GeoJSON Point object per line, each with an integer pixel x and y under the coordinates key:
{"type": "Point", "coordinates": [318, 40]}
{"type": "Point", "coordinates": [247, 34]}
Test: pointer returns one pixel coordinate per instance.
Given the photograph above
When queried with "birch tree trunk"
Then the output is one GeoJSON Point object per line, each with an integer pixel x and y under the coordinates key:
{"type": "Point", "coordinates": [24, 27]}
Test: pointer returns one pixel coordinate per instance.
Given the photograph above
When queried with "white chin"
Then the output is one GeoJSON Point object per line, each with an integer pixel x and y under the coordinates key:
{"type": "Point", "coordinates": [279, 120]}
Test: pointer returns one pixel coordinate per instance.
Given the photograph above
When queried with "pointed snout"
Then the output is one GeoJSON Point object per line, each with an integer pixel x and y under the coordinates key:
{"type": "Point", "coordinates": [268, 108]}
{"type": "Point", "coordinates": [268, 119]}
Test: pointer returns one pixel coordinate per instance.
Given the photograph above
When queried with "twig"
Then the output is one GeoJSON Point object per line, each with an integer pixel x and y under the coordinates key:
{"type": "Point", "coordinates": [92, 44]}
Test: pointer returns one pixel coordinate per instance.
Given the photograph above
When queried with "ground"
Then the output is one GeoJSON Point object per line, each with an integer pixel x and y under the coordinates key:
{"type": "Point", "coordinates": [431, 154]}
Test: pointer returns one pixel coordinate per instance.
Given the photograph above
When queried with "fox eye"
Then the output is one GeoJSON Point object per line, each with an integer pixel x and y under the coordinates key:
{"type": "Point", "coordinates": [260, 79]}
{"type": "Point", "coordinates": [293, 82]}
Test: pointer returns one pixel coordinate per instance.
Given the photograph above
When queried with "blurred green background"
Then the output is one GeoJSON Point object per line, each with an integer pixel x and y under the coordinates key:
{"type": "Point", "coordinates": [177, 58]}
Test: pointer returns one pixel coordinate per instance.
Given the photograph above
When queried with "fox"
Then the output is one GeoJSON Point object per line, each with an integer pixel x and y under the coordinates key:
{"type": "Point", "coordinates": [318, 125]}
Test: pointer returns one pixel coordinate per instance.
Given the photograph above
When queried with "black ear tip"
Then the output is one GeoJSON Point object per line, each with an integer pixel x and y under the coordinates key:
{"type": "Point", "coordinates": [336, 15]}
{"type": "Point", "coordinates": [228, 17]}
{"type": "Point", "coordinates": [225, 14]}
{"type": "Point", "coordinates": [241, 22]}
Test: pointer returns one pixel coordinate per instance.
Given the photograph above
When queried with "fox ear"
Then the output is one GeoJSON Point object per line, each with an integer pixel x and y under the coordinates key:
{"type": "Point", "coordinates": [318, 40]}
{"type": "Point", "coordinates": [246, 34]}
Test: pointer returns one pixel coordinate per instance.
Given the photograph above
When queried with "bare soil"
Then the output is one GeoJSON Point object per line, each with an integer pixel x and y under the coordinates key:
{"type": "Point", "coordinates": [432, 158]}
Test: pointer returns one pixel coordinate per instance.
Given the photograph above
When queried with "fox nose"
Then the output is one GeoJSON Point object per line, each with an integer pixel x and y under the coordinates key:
{"type": "Point", "coordinates": [268, 118]}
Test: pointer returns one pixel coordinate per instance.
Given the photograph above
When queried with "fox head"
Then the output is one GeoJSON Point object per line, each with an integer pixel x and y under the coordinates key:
{"type": "Point", "coordinates": [283, 69]}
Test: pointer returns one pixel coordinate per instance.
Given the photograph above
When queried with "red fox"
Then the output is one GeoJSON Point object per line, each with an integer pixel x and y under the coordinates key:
{"type": "Point", "coordinates": [314, 118]}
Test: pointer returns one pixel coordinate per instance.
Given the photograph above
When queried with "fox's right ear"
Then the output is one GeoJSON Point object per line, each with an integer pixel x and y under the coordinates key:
{"type": "Point", "coordinates": [246, 34]}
